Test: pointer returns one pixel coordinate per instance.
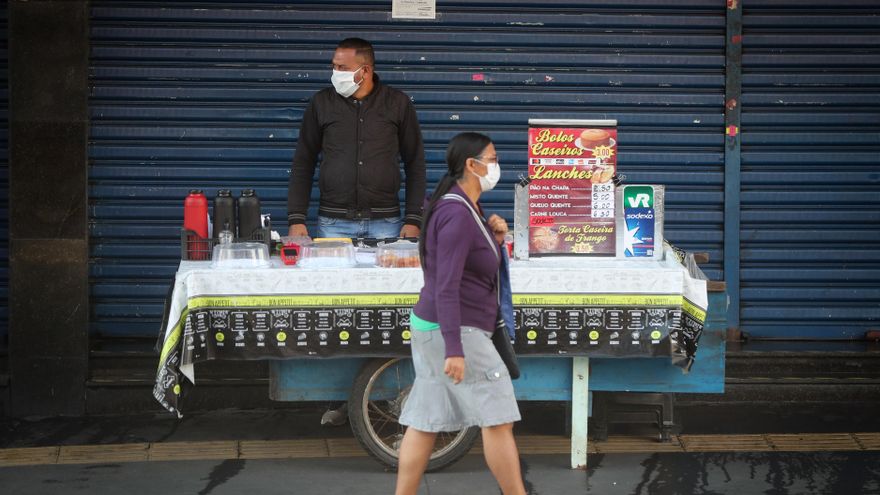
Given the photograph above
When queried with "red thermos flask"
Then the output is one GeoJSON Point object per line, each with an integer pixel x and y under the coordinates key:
{"type": "Point", "coordinates": [195, 219]}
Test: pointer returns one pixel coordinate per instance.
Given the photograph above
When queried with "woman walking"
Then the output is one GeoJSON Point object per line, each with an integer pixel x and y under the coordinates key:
{"type": "Point", "coordinates": [460, 378]}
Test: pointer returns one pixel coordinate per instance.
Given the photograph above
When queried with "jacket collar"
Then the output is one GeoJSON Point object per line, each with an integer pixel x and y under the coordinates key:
{"type": "Point", "coordinates": [458, 191]}
{"type": "Point", "coordinates": [377, 86]}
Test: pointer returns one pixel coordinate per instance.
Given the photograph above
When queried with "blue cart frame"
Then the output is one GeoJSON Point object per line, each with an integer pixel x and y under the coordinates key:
{"type": "Point", "coordinates": [559, 378]}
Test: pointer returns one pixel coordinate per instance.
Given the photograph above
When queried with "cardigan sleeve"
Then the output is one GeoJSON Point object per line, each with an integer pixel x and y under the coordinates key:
{"type": "Point", "coordinates": [450, 240]}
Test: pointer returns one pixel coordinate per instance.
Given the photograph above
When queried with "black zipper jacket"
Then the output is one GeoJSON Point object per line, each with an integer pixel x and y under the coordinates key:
{"type": "Point", "coordinates": [360, 144]}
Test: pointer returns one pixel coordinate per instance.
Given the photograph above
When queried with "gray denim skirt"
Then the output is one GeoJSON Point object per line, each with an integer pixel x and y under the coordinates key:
{"type": "Point", "coordinates": [483, 398]}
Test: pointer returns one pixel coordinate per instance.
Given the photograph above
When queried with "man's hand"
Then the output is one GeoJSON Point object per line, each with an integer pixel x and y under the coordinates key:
{"type": "Point", "coordinates": [498, 226]}
{"type": "Point", "coordinates": [298, 230]}
{"type": "Point", "coordinates": [409, 231]}
{"type": "Point", "coordinates": [454, 368]}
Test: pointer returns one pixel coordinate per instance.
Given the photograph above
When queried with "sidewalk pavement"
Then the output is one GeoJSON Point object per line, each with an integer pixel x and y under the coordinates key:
{"type": "Point", "coordinates": [768, 448]}
{"type": "Point", "coordinates": [844, 473]}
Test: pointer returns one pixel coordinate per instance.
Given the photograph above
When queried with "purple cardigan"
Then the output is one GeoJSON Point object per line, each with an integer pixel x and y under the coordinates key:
{"type": "Point", "coordinates": [460, 273]}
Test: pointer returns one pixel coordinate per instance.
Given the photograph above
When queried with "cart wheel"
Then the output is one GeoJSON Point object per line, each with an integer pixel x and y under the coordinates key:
{"type": "Point", "coordinates": [377, 398]}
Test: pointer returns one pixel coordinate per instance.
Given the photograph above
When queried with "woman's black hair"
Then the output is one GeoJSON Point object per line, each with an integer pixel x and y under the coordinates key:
{"type": "Point", "coordinates": [461, 147]}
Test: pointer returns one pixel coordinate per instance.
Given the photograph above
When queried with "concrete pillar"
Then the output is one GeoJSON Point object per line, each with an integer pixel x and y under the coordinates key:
{"type": "Point", "coordinates": [48, 215]}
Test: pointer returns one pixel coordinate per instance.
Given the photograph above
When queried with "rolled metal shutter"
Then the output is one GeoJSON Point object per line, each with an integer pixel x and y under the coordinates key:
{"type": "Point", "coordinates": [209, 95]}
{"type": "Point", "coordinates": [810, 169]}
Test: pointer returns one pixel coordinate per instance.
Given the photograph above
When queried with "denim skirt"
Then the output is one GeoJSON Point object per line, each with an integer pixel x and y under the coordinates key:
{"type": "Point", "coordinates": [483, 398]}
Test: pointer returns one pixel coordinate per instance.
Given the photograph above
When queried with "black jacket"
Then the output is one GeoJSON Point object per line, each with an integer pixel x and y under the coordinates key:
{"type": "Point", "coordinates": [361, 144]}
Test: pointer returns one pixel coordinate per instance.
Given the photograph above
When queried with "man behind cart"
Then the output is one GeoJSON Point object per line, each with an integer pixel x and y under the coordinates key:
{"type": "Point", "coordinates": [361, 129]}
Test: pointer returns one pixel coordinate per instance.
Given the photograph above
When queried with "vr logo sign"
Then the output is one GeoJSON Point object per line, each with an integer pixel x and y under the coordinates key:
{"type": "Point", "coordinates": [639, 196]}
{"type": "Point", "coordinates": [642, 199]}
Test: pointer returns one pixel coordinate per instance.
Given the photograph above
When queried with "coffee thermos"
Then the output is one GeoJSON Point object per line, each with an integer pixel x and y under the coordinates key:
{"type": "Point", "coordinates": [224, 213]}
{"type": "Point", "coordinates": [195, 219]}
{"type": "Point", "coordinates": [239, 217]}
{"type": "Point", "coordinates": [249, 219]}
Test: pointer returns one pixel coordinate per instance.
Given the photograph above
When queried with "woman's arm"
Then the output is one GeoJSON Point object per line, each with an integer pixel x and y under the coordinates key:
{"type": "Point", "coordinates": [453, 236]}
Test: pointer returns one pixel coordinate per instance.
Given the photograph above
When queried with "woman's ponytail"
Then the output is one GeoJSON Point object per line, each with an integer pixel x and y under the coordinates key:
{"type": "Point", "coordinates": [461, 147]}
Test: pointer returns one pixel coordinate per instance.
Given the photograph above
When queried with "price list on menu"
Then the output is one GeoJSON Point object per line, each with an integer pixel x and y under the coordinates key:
{"type": "Point", "coordinates": [602, 200]}
{"type": "Point", "coordinates": [571, 193]}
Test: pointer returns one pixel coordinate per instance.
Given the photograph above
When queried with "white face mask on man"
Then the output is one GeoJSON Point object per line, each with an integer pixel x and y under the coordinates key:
{"type": "Point", "coordinates": [344, 83]}
{"type": "Point", "coordinates": [493, 175]}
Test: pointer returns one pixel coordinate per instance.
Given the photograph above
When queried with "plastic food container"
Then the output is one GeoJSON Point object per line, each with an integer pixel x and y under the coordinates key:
{"type": "Point", "coordinates": [241, 255]}
{"type": "Point", "coordinates": [399, 254]}
{"type": "Point", "coordinates": [327, 254]}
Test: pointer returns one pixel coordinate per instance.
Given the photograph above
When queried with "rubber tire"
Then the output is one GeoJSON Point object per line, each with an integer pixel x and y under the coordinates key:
{"type": "Point", "coordinates": [361, 428]}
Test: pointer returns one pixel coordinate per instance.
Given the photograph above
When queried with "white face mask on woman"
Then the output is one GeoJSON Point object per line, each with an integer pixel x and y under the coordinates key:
{"type": "Point", "coordinates": [493, 175]}
{"type": "Point", "coordinates": [344, 83]}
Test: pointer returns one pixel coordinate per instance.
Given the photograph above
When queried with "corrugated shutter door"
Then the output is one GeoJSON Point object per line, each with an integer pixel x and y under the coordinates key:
{"type": "Point", "coordinates": [210, 95]}
{"type": "Point", "coordinates": [811, 169]}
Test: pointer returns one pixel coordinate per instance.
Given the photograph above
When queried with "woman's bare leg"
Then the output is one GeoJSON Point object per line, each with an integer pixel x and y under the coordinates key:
{"type": "Point", "coordinates": [415, 451]}
{"type": "Point", "coordinates": [502, 456]}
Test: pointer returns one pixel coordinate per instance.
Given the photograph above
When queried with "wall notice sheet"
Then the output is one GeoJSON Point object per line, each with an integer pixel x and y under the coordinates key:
{"type": "Point", "coordinates": [414, 9]}
{"type": "Point", "coordinates": [571, 193]}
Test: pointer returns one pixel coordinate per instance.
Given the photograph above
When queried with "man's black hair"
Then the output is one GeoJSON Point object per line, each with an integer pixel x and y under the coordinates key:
{"type": "Point", "coordinates": [362, 48]}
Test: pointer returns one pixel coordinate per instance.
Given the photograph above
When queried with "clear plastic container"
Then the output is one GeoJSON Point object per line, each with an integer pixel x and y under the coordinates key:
{"type": "Point", "coordinates": [241, 255]}
{"type": "Point", "coordinates": [399, 254]}
{"type": "Point", "coordinates": [327, 254]}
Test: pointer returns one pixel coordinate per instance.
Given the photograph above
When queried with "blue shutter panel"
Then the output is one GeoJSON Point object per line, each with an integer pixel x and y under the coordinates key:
{"type": "Point", "coordinates": [209, 95]}
{"type": "Point", "coordinates": [811, 169]}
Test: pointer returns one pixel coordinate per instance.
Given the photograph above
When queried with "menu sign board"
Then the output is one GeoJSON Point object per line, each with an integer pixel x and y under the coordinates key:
{"type": "Point", "coordinates": [571, 194]}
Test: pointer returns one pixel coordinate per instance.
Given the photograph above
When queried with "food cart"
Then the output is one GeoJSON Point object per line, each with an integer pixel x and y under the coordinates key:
{"type": "Point", "coordinates": [583, 323]}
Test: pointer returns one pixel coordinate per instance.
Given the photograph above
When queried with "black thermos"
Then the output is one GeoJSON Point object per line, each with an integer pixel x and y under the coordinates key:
{"type": "Point", "coordinates": [224, 213]}
{"type": "Point", "coordinates": [248, 214]}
